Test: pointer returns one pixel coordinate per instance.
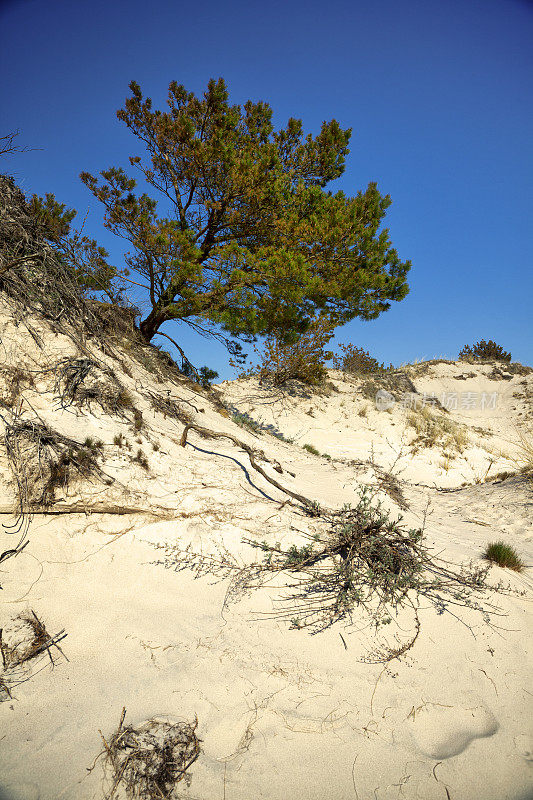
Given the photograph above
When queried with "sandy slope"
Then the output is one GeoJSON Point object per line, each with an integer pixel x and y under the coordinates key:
{"type": "Point", "coordinates": [280, 713]}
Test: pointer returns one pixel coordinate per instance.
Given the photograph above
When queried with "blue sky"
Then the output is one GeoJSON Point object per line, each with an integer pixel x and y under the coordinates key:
{"type": "Point", "coordinates": [439, 94]}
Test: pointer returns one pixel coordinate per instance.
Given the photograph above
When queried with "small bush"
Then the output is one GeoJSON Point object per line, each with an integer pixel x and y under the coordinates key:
{"type": "Point", "coordinates": [504, 555]}
{"type": "Point", "coordinates": [311, 449]}
{"type": "Point", "coordinates": [484, 351]}
{"type": "Point", "coordinates": [203, 376]}
{"type": "Point", "coordinates": [303, 359]}
{"type": "Point", "coordinates": [357, 361]}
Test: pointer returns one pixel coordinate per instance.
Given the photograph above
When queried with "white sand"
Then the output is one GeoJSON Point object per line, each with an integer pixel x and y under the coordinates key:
{"type": "Point", "coordinates": [281, 713]}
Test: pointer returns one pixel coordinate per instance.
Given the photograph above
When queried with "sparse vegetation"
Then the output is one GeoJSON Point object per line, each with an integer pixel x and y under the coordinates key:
{"type": "Point", "coordinates": [311, 449]}
{"type": "Point", "coordinates": [434, 430]}
{"type": "Point", "coordinates": [363, 561]}
{"type": "Point", "coordinates": [82, 382]}
{"type": "Point", "coordinates": [302, 358]}
{"type": "Point", "coordinates": [484, 351]}
{"type": "Point", "coordinates": [504, 555]}
{"type": "Point", "coordinates": [43, 461]}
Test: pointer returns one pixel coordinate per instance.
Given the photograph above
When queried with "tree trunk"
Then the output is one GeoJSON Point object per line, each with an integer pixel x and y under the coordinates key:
{"type": "Point", "coordinates": [149, 326]}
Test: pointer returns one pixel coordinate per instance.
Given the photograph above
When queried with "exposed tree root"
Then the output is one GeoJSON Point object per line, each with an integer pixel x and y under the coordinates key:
{"type": "Point", "coordinates": [310, 505]}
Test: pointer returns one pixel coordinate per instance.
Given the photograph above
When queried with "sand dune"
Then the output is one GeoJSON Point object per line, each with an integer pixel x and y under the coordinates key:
{"type": "Point", "coordinates": [119, 561]}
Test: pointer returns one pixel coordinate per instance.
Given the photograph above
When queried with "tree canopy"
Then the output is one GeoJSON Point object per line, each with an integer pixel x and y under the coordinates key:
{"type": "Point", "coordinates": [241, 234]}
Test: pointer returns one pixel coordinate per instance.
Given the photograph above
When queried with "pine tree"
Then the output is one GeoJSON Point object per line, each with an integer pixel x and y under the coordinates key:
{"type": "Point", "coordinates": [243, 236]}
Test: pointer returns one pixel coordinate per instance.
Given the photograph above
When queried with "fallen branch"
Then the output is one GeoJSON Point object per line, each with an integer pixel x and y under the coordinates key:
{"type": "Point", "coordinates": [209, 434]}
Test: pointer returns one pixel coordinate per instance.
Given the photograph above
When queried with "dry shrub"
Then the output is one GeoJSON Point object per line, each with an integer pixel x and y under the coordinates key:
{"type": "Point", "coordinates": [168, 407]}
{"type": "Point", "coordinates": [150, 760]}
{"type": "Point", "coordinates": [82, 382]}
{"type": "Point", "coordinates": [43, 461]}
{"type": "Point", "coordinates": [364, 562]}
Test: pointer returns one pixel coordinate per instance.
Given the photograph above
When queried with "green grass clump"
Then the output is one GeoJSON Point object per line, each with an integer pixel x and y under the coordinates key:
{"type": "Point", "coordinates": [243, 420]}
{"type": "Point", "coordinates": [311, 449]}
{"type": "Point", "coordinates": [504, 555]}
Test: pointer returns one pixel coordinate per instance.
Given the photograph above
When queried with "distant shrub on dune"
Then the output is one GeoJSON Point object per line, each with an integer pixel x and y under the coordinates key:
{"type": "Point", "coordinates": [484, 351]}
{"type": "Point", "coordinates": [356, 360]}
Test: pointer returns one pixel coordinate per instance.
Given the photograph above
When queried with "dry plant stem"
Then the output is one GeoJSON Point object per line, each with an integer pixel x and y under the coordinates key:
{"type": "Point", "coordinates": [209, 434]}
{"type": "Point", "coordinates": [87, 508]}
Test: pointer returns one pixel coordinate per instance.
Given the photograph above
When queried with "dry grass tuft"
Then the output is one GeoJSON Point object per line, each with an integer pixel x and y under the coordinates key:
{"type": "Point", "coordinates": [150, 760]}
{"type": "Point", "coordinates": [28, 639]}
{"type": "Point", "coordinates": [436, 431]}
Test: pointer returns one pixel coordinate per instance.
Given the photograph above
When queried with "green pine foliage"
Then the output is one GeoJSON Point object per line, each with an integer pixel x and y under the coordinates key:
{"type": "Point", "coordinates": [81, 255]}
{"type": "Point", "coordinates": [241, 232]}
{"type": "Point", "coordinates": [484, 351]}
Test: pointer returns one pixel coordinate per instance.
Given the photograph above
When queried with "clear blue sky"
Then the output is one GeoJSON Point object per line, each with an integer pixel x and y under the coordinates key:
{"type": "Point", "coordinates": [439, 94]}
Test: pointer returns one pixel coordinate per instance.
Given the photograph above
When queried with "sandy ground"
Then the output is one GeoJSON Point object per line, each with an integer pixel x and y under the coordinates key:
{"type": "Point", "coordinates": [281, 713]}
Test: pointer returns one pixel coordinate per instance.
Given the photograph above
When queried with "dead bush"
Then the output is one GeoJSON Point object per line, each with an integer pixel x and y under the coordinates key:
{"type": "Point", "coordinates": [14, 380]}
{"type": "Point", "coordinates": [148, 761]}
{"type": "Point", "coordinates": [43, 461]}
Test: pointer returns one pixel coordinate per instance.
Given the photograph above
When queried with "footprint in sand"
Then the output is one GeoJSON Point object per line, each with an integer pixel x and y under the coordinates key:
{"type": "Point", "coordinates": [524, 745]}
{"type": "Point", "coordinates": [442, 732]}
